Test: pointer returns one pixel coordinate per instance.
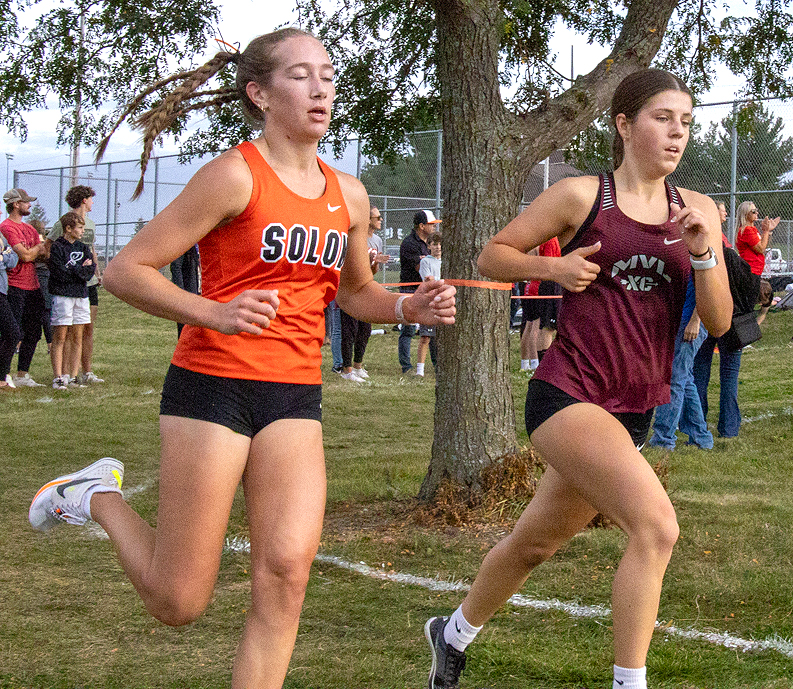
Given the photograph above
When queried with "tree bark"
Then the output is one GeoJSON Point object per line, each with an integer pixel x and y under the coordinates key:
{"type": "Point", "coordinates": [487, 155]}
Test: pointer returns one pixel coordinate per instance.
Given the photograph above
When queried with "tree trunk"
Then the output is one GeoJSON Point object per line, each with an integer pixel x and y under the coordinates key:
{"type": "Point", "coordinates": [487, 156]}
{"type": "Point", "coordinates": [474, 412]}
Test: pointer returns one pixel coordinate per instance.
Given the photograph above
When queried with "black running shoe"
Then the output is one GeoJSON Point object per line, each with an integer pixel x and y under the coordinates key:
{"type": "Point", "coordinates": [447, 662]}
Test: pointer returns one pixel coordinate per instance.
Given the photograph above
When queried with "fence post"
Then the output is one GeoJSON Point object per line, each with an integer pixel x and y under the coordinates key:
{"type": "Point", "coordinates": [383, 226]}
{"type": "Point", "coordinates": [733, 172]}
{"type": "Point", "coordinates": [115, 220]}
{"type": "Point", "coordinates": [60, 194]}
{"type": "Point", "coordinates": [358, 160]}
{"type": "Point", "coordinates": [438, 175]}
{"type": "Point", "coordinates": [156, 182]}
{"type": "Point", "coordinates": [107, 218]}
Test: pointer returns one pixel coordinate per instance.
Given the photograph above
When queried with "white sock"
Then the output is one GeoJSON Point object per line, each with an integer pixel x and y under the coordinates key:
{"type": "Point", "coordinates": [93, 490]}
{"type": "Point", "coordinates": [524, 364]}
{"type": "Point", "coordinates": [419, 369]}
{"type": "Point", "coordinates": [630, 677]}
{"type": "Point", "coordinates": [534, 363]}
{"type": "Point", "coordinates": [458, 633]}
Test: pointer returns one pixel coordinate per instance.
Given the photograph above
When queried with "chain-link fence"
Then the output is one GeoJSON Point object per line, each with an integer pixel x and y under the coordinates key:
{"type": "Point", "coordinates": [739, 151]}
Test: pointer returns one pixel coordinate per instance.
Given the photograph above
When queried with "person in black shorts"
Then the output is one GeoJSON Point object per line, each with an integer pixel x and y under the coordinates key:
{"type": "Point", "coordinates": [629, 242]}
{"type": "Point", "coordinates": [241, 399]}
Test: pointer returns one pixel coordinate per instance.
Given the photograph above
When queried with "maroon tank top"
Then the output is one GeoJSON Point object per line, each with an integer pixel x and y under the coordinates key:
{"type": "Point", "coordinates": [615, 340]}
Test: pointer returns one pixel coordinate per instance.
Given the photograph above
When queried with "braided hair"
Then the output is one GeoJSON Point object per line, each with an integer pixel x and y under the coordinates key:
{"type": "Point", "coordinates": [256, 63]}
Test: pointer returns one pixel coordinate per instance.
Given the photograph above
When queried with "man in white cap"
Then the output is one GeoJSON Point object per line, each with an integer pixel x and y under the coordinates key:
{"type": "Point", "coordinates": [24, 294]}
{"type": "Point", "coordinates": [411, 251]}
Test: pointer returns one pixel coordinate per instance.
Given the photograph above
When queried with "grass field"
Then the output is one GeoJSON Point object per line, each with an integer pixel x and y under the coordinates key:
{"type": "Point", "coordinates": [69, 618]}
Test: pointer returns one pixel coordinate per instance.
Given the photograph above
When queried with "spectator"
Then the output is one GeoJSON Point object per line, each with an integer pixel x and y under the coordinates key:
{"type": "Point", "coordinates": [684, 408]}
{"type": "Point", "coordinates": [751, 244]}
{"type": "Point", "coordinates": [541, 313]}
{"type": "Point", "coordinates": [10, 333]}
{"type": "Point", "coordinates": [411, 251]}
{"type": "Point", "coordinates": [745, 288]}
{"type": "Point", "coordinates": [71, 265]}
{"type": "Point", "coordinates": [43, 274]}
{"type": "Point", "coordinates": [354, 333]}
{"type": "Point", "coordinates": [24, 294]}
{"type": "Point", "coordinates": [184, 274]}
{"type": "Point", "coordinates": [429, 269]}
{"type": "Point", "coordinates": [81, 200]}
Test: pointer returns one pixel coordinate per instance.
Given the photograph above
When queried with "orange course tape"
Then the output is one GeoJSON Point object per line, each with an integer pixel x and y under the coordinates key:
{"type": "Point", "coordinates": [506, 286]}
{"type": "Point", "coordinates": [482, 284]}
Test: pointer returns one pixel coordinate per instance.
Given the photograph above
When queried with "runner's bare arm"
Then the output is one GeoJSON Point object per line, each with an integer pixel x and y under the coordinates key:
{"type": "Point", "coordinates": [363, 298]}
{"type": "Point", "coordinates": [700, 227]}
{"type": "Point", "coordinates": [218, 192]}
{"type": "Point", "coordinates": [558, 212]}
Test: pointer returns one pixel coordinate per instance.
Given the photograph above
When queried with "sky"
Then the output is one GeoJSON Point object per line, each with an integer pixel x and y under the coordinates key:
{"type": "Point", "coordinates": [39, 150]}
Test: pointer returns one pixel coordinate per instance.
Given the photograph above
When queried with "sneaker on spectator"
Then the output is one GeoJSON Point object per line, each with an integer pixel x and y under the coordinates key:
{"type": "Point", "coordinates": [353, 376]}
{"type": "Point", "coordinates": [336, 369]}
{"type": "Point", "coordinates": [89, 377]}
{"type": "Point", "coordinates": [26, 382]}
{"type": "Point", "coordinates": [447, 662]}
{"type": "Point", "coordinates": [60, 383]}
{"type": "Point", "coordinates": [361, 372]}
{"type": "Point", "coordinates": [68, 497]}
{"type": "Point", "coordinates": [75, 383]}
{"type": "Point", "coordinates": [10, 381]}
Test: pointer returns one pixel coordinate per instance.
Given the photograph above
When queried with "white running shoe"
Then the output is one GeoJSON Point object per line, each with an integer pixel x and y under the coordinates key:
{"type": "Point", "coordinates": [75, 382]}
{"type": "Point", "coordinates": [362, 373]}
{"type": "Point", "coordinates": [10, 381]}
{"type": "Point", "coordinates": [89, 377]}
{"type": "Point", "coordinates": [353, 376]}
{"type": "Point", "coordinates": [60, 383]}
{"type": "Point", "coordinates": [26, 382]}
{"type": "Point", "coordinates": [64, 498]}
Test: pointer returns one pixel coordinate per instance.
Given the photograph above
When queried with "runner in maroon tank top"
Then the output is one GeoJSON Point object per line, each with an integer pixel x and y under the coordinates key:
{"type": "Point", "coordinates": [629, 241]}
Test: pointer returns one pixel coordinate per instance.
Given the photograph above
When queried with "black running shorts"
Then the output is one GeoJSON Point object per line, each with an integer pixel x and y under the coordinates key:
{"type": "Point", "coordinates": [244, 406]}
{"type": "Point", "coordinates": [543, 400]}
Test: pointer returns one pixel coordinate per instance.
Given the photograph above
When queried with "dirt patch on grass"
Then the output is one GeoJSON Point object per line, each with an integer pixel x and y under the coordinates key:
{"type": "Point", "coordinates": [508, 486]}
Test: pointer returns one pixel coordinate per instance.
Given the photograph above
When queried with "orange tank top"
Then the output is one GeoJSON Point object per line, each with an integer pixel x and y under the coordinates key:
{"type": "Point", "coordinates": [280, 241]}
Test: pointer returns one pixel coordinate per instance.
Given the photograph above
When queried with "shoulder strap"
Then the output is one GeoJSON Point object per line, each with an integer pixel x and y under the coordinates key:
{"type": "Point", "coordinates": [593, 213]}
{"type": "Point", "coordinates": [674, 195]}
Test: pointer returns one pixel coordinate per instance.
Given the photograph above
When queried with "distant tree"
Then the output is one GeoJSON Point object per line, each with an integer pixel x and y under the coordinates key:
{"type": "Point", "coordinates": [38, 213]}
{"type": "Point", "coordinates": [89, 53]}
{"type": "Point", "coordinates": [764, 161]}
{"type": "Point", "coordinates": [139, 225]}
{"type": "Point", "coordinates": [413, 174]}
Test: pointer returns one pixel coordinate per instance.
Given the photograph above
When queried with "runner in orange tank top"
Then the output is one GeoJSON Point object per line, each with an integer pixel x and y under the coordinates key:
{"type": "Point", "coordinates": [279, 233]}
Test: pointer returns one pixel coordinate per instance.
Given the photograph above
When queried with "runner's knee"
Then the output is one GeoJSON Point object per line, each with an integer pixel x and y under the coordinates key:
{"type": "Point", "coordinates": [282, 577]}
{"type": "Point", "coordinates": [177, 603]}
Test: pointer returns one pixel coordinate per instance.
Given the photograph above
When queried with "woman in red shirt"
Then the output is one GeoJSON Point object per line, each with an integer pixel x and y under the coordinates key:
{"type": "Point", "coordinates": [751, 244]}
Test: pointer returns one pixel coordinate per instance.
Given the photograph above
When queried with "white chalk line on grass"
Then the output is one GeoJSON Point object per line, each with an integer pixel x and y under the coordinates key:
{"type": "Point", "coordinates": [783, 646]}
{"type": "Point", "coordinates": [787, 411]}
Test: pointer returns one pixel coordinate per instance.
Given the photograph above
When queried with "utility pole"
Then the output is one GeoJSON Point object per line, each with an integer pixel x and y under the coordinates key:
{"type": "Point", "coordinates": [9, 158]}
{"type": "Point", "coordinates": [77, 133]}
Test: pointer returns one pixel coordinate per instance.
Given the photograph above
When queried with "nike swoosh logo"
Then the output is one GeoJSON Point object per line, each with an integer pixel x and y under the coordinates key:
{"type": "Point", "coordinates": [618, 682]}
{"type": "Point", "coordinates": [62, 488]}
{"type": "Point", "coordinates": [457, 627]}
{"type": "Point", "coordinates": [333, 209]}
{"type": "Point", "coordinates": [672, 241]}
